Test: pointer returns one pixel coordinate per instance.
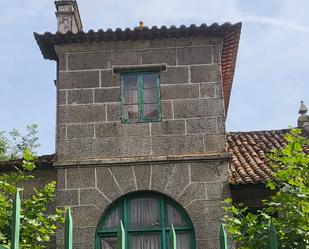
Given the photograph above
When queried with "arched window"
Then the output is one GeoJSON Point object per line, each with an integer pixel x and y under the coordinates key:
{"type": "Point", "coordinates": [147, 219]}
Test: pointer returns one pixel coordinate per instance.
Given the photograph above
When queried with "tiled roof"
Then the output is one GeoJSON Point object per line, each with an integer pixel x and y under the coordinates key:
{"type": "Point", "coordinates": [249, 149]}
{"type": "Point", "coordinates": [230, 32]}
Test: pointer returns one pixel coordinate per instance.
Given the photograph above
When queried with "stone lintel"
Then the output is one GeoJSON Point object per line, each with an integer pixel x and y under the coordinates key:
{"type": "Point", "coordinates": [131, 161]}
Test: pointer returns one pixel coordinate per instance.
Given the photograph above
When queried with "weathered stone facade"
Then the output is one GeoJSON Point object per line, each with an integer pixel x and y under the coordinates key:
{"type": "Point", "coordinates": [99, 159]}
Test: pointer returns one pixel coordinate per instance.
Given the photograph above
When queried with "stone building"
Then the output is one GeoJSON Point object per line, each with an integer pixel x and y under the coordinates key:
{"type": "Point", "coordinates": [141, 133]}
{"type": "Point", "coordinates": [141, 130]}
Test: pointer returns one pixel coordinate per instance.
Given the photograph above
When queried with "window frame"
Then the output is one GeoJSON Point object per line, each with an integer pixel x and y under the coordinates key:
{"type": "Point", "coordinates": [140, 96]}
{"type": "Point", "coordinates": [163, 230]}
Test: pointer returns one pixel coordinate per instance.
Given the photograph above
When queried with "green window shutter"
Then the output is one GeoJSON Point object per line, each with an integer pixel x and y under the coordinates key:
{"type": "Point", "coordinates": [68, 230]}
{"type": "Point", "coordinates": [121, 237]}
{"type": "Point", "coordinates": [172, 238]}
{"type": "Point", "coordinates": [15, 222]}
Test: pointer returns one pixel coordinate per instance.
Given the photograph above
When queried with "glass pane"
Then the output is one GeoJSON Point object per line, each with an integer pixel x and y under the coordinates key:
{"type": "Point", "coordinates": [130, 89]}
{"type": "Point", "coordinates": [183, 241]}
{"type": "Point", "coordinates": [146, 241]}
{"type": "Point", "coordinates": [150, 88]}
{"type": "Point", "coordinates": [108, 242]}
{"type": "Point", "coordinates": [174, 217]}
{"type": "Point", "coordinates": [144, 212]}
{"type": "Point", "coordinates": [131, 112]}
{"type": "Point", "coordinates": [113, 219]}
{"type": "Point", "coordinates": [150, 110]}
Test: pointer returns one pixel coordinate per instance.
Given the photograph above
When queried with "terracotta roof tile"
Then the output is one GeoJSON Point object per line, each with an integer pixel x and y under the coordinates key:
{"type": "Point", "coordinates": [249, 162]}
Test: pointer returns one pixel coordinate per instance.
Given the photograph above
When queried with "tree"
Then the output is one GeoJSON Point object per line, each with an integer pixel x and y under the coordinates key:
{"type": "Point", "coordinates": [37, 224]}
{"type": "Point", "coordinates": [287, 209]}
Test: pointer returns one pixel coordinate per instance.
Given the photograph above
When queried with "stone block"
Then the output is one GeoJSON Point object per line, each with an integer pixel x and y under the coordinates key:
{"type": "Point", "coordinates": [215, 143]}
{"type": "Point", "coordinates": [85, 216]}
{"type": "Point", "coordinates": [161, 173]}
{"type": "Point", "coordinates": [207, 230]}
{"type": "Point", "coordinates": [179, 180]}
{"type": "Point", "coordinates": [80, 96]}
{"type": "Point", "coordinates": [86, 47]}
{"type": "Point", "coordinates": [83, 61]}
{"type": "Point", "coordinates": [80, 131]}
{"type": "Point", "coordinates": [214, 191]}
{"type": "Point", "coordinates": [187, 91]}
{"type": "Point", "coordinates": [202, 125]}
{"type": "Point", "coordinates": [138, 129]}
{"type": "Point", "coordinates": [204, 40]}
{"type": "Point", "coordinates": [169, 42]}
{"type": "Point", "coordinates": [194, 108]}
{"type": "Point", "coordinates": [108, 79]}
{"type": "Point", "coordinates": [62, 97]}
{"type": "Point", "coordinates": [113, 112]}
{"type": "Point", "coordinates": [142, 176]}
{"type": "Point", "coordinates": [104, 95]}
{"type": "Point", "coordinates": [125, 178]}
{"type": "Point", "coordinates": [85, 79]}
{"type": "Point", "coordinates": [139, 44]}
{"type": "Point", "coordinates": [221, 124]}
{"type": "Point", "coordinates": [168, 127]}
{"type": "Point", "coordinates": [134, 146]}
{"type": "Point", "coordinates": [174, 75]}
{"type": "Point", "coordinates": [218, 90]}
{"type": "Point", "coordinates": [209, 172]}
{"type": "Point", "coordinates": [80, 178]}
{"type": "Point", "coordinates": [67, 197]}
{"type": "Point", "coordinates": [103, 130]}
{"type": "Point", "coordinates": [61, 178]}
{"type": "Point", "coordinates": [154, 56]}
{"type": "Point", "coordinates": [106, 183]}
{"type": "Point", "coordinates": [93, 197]}
{"type": "Point", "coordinates": [216, 53]}
{"type": "Point", "coordinates": [167, 110]}
{"type": "Point", "coordinates": [83, 236]}
{"type": "Point", "coordinates": [206, 73]}
{"type": "Point", "coordinates": [194, 55]}
{"type": "Point", "coordinates": [177, 145]}
{"type": "Point", "coordinates": [207, 90]}
{"type": "Point", "coordinates": [75, 149]}
{"type": "Point", "coordinates": [61, 132]}
{"type": "Point", "coordinates": [62, 62]}
{"type": "Point", "coordinates": [201, 210]}
{"type": "Point", "coordinates": [209, 244]}
{"type": "Point", "coordinates": [195, 191]}
{"type": "Point", "coordinates": [125, 58]}
{"type": "Point", "coordinates": [81, 114]}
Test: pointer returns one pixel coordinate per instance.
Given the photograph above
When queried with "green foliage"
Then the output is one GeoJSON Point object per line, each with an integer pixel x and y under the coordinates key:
{"type": "Point", "coordinates": [37, 223]}
{"type": "Point", "coordinates": [287, 209]}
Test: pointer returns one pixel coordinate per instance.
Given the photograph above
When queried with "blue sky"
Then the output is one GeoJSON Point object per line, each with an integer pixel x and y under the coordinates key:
{"type": "Point", "coordinates": [271, 78]}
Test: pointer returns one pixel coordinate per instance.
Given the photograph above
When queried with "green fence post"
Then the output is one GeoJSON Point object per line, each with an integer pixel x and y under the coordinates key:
{"type": "Point", "coordinates": [272, 237]}
{"type": "Point", "coordinates": [223, 237]}
{"type": "Point", "coordinates": [68, 230]}
{"type": "Point", "coordinates": [15, 222]}
{"type": "Point", "coordinates": [121, 237]}
{"type": "Point", "coordinates": [173, 242]}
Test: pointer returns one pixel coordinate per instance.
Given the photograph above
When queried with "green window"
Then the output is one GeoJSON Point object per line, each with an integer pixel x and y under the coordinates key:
{"type": "Point", "coordinates": [140, 97]}
{"type": "Point", "coordinates": [147, 220]}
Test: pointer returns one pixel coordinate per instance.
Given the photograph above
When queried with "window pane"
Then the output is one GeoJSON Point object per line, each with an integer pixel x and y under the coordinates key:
{"type": "Point", "coordinates": [113, 219]}
{"type": "Point", "coordinates": [150, 88]}
{"type": "Point", "coordinates": [130, 88]}
{"type": "Point", "coordinates": [183, 241]}
{"type": "Point", "coordinates": [131, 112]}
{"type": "Point", "coordinates": [146, 241]}
{"type": "Point", "coordinates": [174, 217]}
{"type": "Point", "coordinates": [109, 243]}
{"type": "Point", "coordinates": [144, 212]}
{"type": "Point", "coordinates": [150, 110]}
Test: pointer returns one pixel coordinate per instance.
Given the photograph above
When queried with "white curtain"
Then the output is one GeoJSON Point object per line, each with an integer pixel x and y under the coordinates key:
{"type": "Point", "coordinates": [113, 219]}
{"type": "Point", "coordinates": [147, 241]}
{"type": "Point", "coordinates": [109, 243]}
{"type": "Point", "coordinates": [144, 212]}
{"type": "Point", "coordinates": [183, 241]}
{"type": "Point", "coordinates": [174, 217]}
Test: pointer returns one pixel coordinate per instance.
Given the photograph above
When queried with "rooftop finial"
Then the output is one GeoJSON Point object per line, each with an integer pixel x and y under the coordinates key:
{"type": "Point", "coordinates": [141, 25]}
{"type": "Point", "coordinates": [303, 109]}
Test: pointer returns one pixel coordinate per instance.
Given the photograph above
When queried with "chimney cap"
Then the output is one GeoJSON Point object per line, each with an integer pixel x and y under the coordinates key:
{"type": "Point", "coordinates": [303, 108]}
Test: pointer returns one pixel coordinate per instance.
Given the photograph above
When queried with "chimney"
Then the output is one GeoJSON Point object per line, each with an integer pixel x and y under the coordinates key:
{"type": "Point", "coordinates": [303, 119]}
{"type": "Point", "coordinates": [68, 18]}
